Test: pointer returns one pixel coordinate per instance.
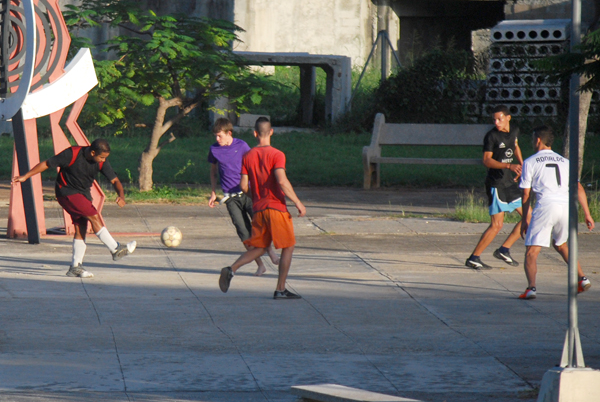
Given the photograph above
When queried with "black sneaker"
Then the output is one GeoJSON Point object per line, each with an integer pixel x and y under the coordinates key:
{"type": "Point", "coordinates": [506, 258]}
{"type": "Point", "coordinates": [123, 250]}
{"type": "Point", "coordinates": [285, 294]}
{"type": "Point", "coordinates": [476, 263]}
{"type": "Point", "coordinates": [225, 279]}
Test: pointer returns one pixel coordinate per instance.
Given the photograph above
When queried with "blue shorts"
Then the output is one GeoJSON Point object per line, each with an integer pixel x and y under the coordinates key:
{"type": "Point", "coordinates": [497, 205]}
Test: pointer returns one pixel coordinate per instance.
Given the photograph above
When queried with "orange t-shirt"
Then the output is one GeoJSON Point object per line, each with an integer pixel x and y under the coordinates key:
{"type": "Point", "coordinates": [259, 164]}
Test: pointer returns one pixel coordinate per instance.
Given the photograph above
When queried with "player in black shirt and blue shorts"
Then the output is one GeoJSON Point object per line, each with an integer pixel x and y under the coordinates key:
{"type": "Point", "coordinates": [500, 150]}
{"type": "Point", "coordinates": [78, 169]}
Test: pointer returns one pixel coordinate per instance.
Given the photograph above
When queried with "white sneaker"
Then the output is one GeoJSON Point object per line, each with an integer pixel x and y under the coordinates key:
{"type": "Point", "coordinates": [79, 271]}
{"type": "Point", "coordinates": [584, 284]}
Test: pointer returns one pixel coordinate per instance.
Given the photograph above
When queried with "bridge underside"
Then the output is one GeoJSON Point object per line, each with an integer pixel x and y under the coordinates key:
{"type": "Point", "coordinates": [426, 24]}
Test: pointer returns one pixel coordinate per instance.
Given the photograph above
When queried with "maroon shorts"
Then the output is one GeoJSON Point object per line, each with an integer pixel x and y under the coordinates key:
{"type": "Point", "coordinates": [78, 206]}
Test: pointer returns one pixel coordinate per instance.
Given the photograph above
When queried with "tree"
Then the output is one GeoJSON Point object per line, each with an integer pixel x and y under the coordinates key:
{"type": "Point", "coordinates": [584, 62]}
{"type": "Point", "coordinates": [169, 61]}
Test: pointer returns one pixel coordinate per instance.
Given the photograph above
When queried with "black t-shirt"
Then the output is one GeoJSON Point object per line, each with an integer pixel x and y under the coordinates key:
{"type": "Point", "coordinates": [79, 177]}
{"type": "Point", "coordinates": [502, 145]}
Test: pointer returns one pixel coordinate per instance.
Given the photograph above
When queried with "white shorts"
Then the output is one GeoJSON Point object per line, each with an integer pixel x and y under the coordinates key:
{"type": "Point", "coordinates": [548, 221]}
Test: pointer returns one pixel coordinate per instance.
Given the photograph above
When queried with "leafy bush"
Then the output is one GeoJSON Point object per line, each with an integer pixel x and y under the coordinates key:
{"type": "Point", "coordinates": [429, 90]}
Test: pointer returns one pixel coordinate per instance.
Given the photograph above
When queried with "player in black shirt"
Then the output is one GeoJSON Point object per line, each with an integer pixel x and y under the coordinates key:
{"type": "Point", "coordinates": [78, 169]}
{"type": "Point", "coordinates": [500, 149]}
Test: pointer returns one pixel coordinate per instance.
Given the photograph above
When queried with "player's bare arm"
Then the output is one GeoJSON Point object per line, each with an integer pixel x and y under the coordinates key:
{"type": "Point", "coordinates": [490, 163]}
{"type": "Point", "coordinates": [519, 156]}
{"type": "Point", "coordinates": [116, 183]}
{"type": "Point", "coordinates": [39, 168]}
{"type": "Point", "coordinates": [288, 190]}
{"type": "Point", "coordinates": [213, 184]}
{"type": "Point", "coordinates": [589, 221]}
{"type": "Point", "coordinates": [526, 203]}
{"type": "Point", "coordinates": [244, 184]}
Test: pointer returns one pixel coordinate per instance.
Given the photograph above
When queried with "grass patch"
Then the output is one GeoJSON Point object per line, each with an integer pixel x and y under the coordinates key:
{"type": "Point", "coordinates": [313, 159]}
{"type": "Point", "coordinates": [473, 208]}
{"type": "Point", "coordinates": [164, 195]}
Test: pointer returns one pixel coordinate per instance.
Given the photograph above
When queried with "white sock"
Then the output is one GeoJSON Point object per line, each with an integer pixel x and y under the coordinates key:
{"type": "Point", "coordinates": [106, 238]}
{"type": "Point", "coordinates": [78, 252]}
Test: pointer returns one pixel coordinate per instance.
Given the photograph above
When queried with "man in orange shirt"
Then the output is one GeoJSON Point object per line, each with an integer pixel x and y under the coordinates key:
{"type": "Point", "coordinates": [263, 175]}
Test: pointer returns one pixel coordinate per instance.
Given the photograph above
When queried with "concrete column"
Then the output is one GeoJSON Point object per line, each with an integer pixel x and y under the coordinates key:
{"type": "Point", "coordinates": [338, 88]}
{"type": "Point", "coordinates": [383, 52]}
{"type": "Point", "coordinates": [308, 79]}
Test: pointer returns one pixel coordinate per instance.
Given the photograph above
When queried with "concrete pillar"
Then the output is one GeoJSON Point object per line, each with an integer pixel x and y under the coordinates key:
{"type": "Point", "coordinates": [338, 88]}
{"type": "Point", "coordinates": [308, 79]}
{"type": "Point", "coordinates": [383, 51]}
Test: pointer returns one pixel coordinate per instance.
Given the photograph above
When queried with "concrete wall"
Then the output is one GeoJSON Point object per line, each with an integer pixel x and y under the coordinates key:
{"type": "Point", "coordinates": [337, 27]}
{"type": "Point", "coordinates": [551, 9]}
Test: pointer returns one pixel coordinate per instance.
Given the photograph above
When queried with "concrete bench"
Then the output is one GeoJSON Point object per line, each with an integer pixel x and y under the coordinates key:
{"type": "Point", "coordinates": [418, 134]}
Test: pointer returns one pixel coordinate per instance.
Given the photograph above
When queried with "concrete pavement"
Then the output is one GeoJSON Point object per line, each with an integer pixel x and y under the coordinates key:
{"type": "Point", "coordinates": [388, 306]}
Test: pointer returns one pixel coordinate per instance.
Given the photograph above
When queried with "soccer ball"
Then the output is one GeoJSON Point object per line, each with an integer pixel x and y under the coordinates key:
{"type": "Point", "coordinates": [171, 236]}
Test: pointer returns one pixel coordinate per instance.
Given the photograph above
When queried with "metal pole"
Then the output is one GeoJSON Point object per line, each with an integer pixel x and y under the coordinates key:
{"type": "Point", "coordinates": [574, 354]}
{"type": "Point", "coordinates": [384, 58]}
{"type": "Point", "coordinates": [31, 222]}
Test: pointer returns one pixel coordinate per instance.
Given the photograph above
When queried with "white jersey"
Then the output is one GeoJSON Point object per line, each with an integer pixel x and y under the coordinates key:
{"type": "Point", "coordinates": [546, 173]}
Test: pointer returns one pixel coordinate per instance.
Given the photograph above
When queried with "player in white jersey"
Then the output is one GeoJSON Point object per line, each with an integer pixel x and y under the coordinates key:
{"type": "Point", "coordinates": [546, 173]}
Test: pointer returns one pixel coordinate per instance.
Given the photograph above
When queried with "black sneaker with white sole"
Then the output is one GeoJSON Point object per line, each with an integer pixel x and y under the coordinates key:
{"type": "Point", "coordinates": [505, 257]}
{"type": "Point", "coordinates": [285, 294]}
{"type": "Point", "coordinates": [476, 263]}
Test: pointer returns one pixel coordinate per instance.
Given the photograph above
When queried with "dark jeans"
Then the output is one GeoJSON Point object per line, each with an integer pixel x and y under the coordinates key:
{"type": "Point", "coordinates": [240, 210]}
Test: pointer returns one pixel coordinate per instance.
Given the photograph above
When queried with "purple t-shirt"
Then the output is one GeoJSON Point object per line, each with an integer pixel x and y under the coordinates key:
{"type": "Point", "coordinates": [229, 159]}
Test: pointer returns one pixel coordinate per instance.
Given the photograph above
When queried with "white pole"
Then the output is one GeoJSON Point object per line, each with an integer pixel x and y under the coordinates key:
{"type": "Point", "coordinates": [573, 355]}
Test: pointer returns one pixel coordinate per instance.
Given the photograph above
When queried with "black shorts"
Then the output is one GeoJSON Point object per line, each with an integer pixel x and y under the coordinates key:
{"type": "Point", "coordinates": [240, 211]}
{"type": "Point", "coordinates": [507, 193]}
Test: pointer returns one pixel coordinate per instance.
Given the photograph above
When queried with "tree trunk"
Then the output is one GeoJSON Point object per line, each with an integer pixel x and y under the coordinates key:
{"type": "Point", "coordinates": [585, 98]}
{"type": "Point", "coordinates": [152, 150]}
{"type": "Point", "coordinates": [146, 170]}
{"type": "Point", "coordinates": [158, 130]}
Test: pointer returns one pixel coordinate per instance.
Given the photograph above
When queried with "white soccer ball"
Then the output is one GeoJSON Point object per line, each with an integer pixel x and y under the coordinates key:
{"type": "Point", "coordinates": [171, 236]}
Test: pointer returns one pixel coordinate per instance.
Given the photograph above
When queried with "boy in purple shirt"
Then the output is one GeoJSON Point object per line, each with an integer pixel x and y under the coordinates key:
{"type": "Point", "coordinates": [225, 156]}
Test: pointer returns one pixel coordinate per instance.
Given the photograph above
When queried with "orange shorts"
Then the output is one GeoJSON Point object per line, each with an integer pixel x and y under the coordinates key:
{"type": "Point", "coordinates": [274, 226]}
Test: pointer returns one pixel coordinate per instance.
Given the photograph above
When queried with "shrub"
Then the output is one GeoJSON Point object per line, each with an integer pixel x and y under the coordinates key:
{"type": "Point", "coordinates": [428, 91]}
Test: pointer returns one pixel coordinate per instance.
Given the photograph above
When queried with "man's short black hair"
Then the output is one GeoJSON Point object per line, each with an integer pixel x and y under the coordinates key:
{"type": "Point", "coordinates": [100, 146]}
{"type": "Point", "coordinates": [501, 109]}
{"type": "Point", "coordinates": [545, 134]}
{"type": "Point", "coordinates": [262, 126]}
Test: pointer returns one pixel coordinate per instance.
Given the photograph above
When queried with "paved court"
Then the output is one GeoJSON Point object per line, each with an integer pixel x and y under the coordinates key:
{"type": "Point", "coordinates": [388, 306]}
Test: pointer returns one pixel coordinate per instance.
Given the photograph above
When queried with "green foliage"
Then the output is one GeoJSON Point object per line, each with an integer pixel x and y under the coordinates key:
{"type": "Point", "coordinates": [585, 62]}
{"type": "Point", "coordinates": [156, 57]}
{"type": "Point", "coordinates": [427, 91]}
{"type": "Point", "coordinates": [282, 99]}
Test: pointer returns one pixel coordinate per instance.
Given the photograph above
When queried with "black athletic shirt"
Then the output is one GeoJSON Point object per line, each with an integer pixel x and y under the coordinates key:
{"type": "Point", "coordinates": [502, 145]}
{"type": "Point", "coordinates": [78, 177]}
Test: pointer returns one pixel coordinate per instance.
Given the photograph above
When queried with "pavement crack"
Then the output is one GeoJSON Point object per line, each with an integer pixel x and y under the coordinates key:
{"type": "Point", "coordinates": [217, 326]}
{"type": "Point", "coordinates": [400, 286]}
{"type": "Point", "coordinates": [356, 344]}
{"type": "Point", "coordinates": [91, 301]}
{"type": "Point", "coordinates": [344, 333]}
{"type": "Point", "coordinates": [120, 364]}
{"type": "Point", "coordinates": [143, 219]}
